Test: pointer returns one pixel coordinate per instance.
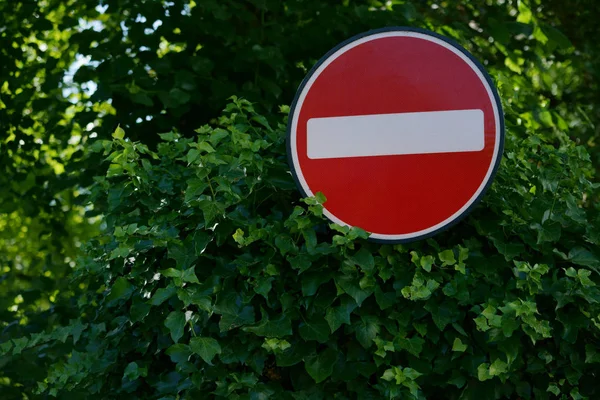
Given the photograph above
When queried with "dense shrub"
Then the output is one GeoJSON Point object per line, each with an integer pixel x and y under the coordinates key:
{"type": "Point", "coordinates": [71, 71]}
{"type": "Point", "coordinates": [212, 279]}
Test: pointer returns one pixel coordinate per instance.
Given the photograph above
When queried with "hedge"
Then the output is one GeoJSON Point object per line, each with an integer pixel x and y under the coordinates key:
{"type": "Point", "coordinates": [213, 279]}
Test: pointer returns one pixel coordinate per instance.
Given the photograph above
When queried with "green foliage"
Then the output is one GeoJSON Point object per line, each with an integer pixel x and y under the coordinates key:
{"type": "Point", "coordinates": [169, 67]}
{"type": "Point", "coordinates": [206, 283]}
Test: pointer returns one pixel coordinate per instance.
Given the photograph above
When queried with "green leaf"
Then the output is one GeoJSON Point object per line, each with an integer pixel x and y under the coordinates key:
{"type": "Point", "coordinates": [285, 244]}
{"type": "Point", "coordinates": [413, 345]}
{"type": "Point", "coordinates": [498, 367]}
{"type": "Point", "coordinates": [509, 324]}
{"type": "Point", "coordinates": [384, 299]}
{"type": "Point", "coordinates": [447, 257]}
{"type": "Point", "coordinates": [5, 348]}
{"type": "Point", "coordinates": [336, 316]}
{"type": "Point", "coordinates": [133, 371]}
{"type": "Point", "coordinates": [179, 352]}
{"type": "Point", "coordinates": [162, 295]}
{"type": "Point", "coordinates": [195, 187]}
{"type": "Point", "coordinates": [367, 329]}
{"type": "Point", "coordinates": [389, 375]}
{"type": "Point", "coordinates": [19, 345]}
{"type": "Point", "coordinates": [263, 287]}
{"type": "Point", "coordinates": [584, 277]}
{"type": "Point", "coordinates": [114, 170]}
{"type": "Point", "coordinates": [581, 256]}
{"type": "Point", "coordinates": [189, 275]}
{"type": "Point", "coordinates": [364, 259]}
{"type": "Point", "coordinates": [310, 238]}
{"type": "Point", "coordinates": [121, 289]}
{"type": "Point", "coordinates": [119, 133]}
{"type": "Point", "coordinates": [279, 327]}
{"type": "Point", "coordinates": [206, 147]}
{"type": "Point", "coordinates": [193, 296]}
{"type": "Point", "coordinates": [427, 262]}
{"type": "Point", "coordinates": [207, 348]}
{"type": "Point", "coordinates": [192, 155]}
{"type": "Point", "coordinates": [294, 354]}
{"type": "Point", "coordinates": [320, 366]}
{"type": "Point", "coordinates": [311, 281]}
{"type": "Point", "coordinates": [139, 311]}
{"type": "Point", "coordinates": [351, 286]}
{"type": "Point", "coordinates": [547, 232]}
{"type": "Point", "coordinates": [591, 354]}
{"type": "Point", "coordinates": [184, 256]}
{"type": "Point", "coordinates": [459, 346]}
{"type": "Point", "coordinates": [200, 241]}
{"type": "Point", "coordinates": [483, 373]}
{"type": "Point", "coordinates": [315, 328]}
{"type": "Point", "coordinates": [552, 388]}
{"type": "Point", "coordinates": [231, 321]}
{"type": "Point", "coordinates": [142, 98]}
{"type": "Point", "coordinates": [411, 373]}
{"type": "Point", "coordinates": [175, 322]}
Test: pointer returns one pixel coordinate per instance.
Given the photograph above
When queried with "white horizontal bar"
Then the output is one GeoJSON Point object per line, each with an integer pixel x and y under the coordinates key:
{"type": "Point", "coordinates": [395, 134]}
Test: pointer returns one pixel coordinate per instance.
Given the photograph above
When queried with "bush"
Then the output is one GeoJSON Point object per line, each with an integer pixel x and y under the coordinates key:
{"type": "Point", "coordinates": [213, 279]}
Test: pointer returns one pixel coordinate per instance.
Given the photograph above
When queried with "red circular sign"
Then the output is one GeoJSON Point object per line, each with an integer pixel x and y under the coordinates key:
{"type": "Point", "coordinates": [402, 131]}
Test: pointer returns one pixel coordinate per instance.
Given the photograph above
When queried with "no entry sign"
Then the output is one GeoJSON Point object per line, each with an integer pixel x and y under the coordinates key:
{"type": "Point", "coordinates": [401, 129]}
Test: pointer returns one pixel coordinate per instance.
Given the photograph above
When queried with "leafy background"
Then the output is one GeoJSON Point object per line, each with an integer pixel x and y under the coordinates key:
{"type": "Point", "coordinates": [173, 258]}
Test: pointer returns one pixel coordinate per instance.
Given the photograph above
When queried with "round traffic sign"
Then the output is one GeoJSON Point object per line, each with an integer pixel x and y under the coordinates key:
{"type": "Point", "coordinates": [401, 129]}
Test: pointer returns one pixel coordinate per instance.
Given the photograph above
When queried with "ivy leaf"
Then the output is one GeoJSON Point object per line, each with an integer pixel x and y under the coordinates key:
{"type": "Point", "coordinates": [5, 348]}
{"type": "Point", "coordinates": [427, 262]}
{"type": "Point", "coordinates": [139, 311]}
{"type": "Point", "coordinates": [206, 147]}
{"type": "Point", "coordinates": [194, 189]}
{"type": "Point", "coordinates": [336, 316]}
{"type": "Point", "coordinates": [591, 354]}
{"type": "Point", "coordinates": [120, 289]}
{"type": "Point", "coordinates": [351, 286]}
{"type": "Point", "coordinates": [459, 346]}
{"type": "Point", "coordinates": [509, 250]}
{"type": "Point", "coordinates": [384, 299]}
{"type": "Point", "coordinates": [310, 238]}
{"type": "Point", "coordinates": [364, 259]}
{"type": "Point", "coordinates": [189, 275]}
{"type": "Point", "coordinates": [483, 373]}
{"type": "Point", "coordinates": [19, 344]}
{"type": "Point", "coordinates": [320, 366]}
{"type": "Point", "coordinates": [547, 232]}
{"type": "Point", "coordinates": [193, 296]}
{"type": "Point", "coordinates": [447, 257]}
{"type": "Point", "coordinates": [183, 256]}
{"type": "Point", "coordinates": [581, 256]}
{"type": "Point", "coordinates": [207, 348]}
{"type": "Point", "coordinates": [175, 322]}
{"type": "Point", "coordinates": [279, 327]}
{"type": "Point", "coordinates": [192, 155]}
{"type": "Point", "coordinates": [162, 295]}
{"type": "Point", "coordinates": [133, 371]}
{"type": "Point", "coordinates": [285, 244]}
{"type": "Point", "coordinates": [367, 329]}
{"type": "Point", "coordinates": [315, 329]}
{"type": "Point", "coordinates": [294, 354]}
{"type": "Point", "coordinates": [413, 345]}
{"type": "Point", "coordinates": [498, 367]}
{"type": "Point", "coordinates": [312, 280]}
{"type": "Point", "coordinates": [179, 352]}
{"type": "Point", "coordinates": [230, 321]}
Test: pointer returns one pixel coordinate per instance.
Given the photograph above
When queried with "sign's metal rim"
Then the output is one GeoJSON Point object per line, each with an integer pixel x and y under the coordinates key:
{"type": "Point", "coordinates": [403, 32]}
